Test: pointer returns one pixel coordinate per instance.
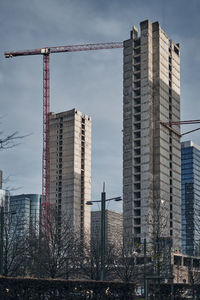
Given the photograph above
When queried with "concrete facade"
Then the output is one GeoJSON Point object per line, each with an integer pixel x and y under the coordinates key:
{"type": "Point", "coordinates": [151, 153]}
{"type": "Point", "coordinates": [113, 226]}
{"type": "Point", "coordinates": [70, 167]}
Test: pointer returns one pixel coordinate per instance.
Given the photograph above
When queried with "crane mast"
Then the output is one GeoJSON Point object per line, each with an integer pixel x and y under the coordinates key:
{"type": "Point", "coordinates": [46, 51]}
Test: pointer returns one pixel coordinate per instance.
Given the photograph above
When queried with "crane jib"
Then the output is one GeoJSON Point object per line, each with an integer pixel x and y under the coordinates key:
{"type": "Point", "coordinates": [71, 48]}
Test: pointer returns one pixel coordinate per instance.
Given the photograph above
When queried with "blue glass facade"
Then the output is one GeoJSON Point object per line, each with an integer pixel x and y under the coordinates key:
{"type": "Point", "coordinates": [25, 209]}
{"type": "Point", "coordinates": [190, 187]}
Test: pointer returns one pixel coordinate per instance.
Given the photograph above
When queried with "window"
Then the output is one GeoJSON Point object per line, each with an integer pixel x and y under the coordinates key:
{"type": "Point", "coordinates": [136, 68]}
{"type": "Point", "coordinates": [137, 76]}
{"type": "Point", "coordinates": [137, 221]}
{"type": "Point", "coordinates": [137, 126]}
{"type": "Point", "coordinates": [137, 230]}
{"type": "Point", "coordinates": [137, 160]}
{"type": "Point", "coordinates": [176, 50]}
{"type": "Point", "coordinates": [137, 186]}
{"type": "Point", "coordinates": [137, 195]}
{"type": "Point", "coordinates": [137, 51]}
{"type": "Point", "coordinates": [137, 101]}
{"type": "Point", "coordinates": [137, 84]}
{"type": "Point", "coordinates": [137, 93]}
{"type": "Point", "coordinates": [137, 135]}
{"type": "Point", "coordinates": [137, 151]}
{"type": "Point", "coordinates": [137, 212]}
{"type": "Point", "coordinates": [137, 43]}
{"type": "Point", "coordinates": [137, 143]}
{"type": "Point", "coordinates": [137, 203]}
{"type": "Point", "coordinates": [137, 178]}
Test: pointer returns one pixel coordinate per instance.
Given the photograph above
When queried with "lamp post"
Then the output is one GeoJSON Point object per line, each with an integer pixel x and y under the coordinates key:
{"type": "Point", "coordinates": [103, 226]}
{"type": "Point", "coordinates": [1, 238]}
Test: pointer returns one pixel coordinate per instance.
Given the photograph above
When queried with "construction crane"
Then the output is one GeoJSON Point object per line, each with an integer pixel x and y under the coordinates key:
{"type": "Point", "coordinates": [169, 125]}
{"type": "Point", "coordinates": [46, 51]}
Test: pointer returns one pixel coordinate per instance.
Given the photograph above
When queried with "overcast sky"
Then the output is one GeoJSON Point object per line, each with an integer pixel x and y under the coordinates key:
{"type": "Point", "coordinates": [89, 81]}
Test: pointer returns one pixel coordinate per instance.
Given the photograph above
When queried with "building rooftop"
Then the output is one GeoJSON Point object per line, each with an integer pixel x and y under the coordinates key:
{"type": "Point", "coordinates": [187, 144]}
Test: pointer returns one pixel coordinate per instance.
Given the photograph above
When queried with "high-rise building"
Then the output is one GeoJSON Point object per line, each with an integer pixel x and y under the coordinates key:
{"type": "Point", "coordinates": [190, 183]}
{"type": "Point", "coordinates": [70, 167]}
{"type": "Point", "coordinates": [25, 210]}
{"type": "Point", "coordinates": [151, 152]}
{"type": "Point", "coordinates": [113, 226]}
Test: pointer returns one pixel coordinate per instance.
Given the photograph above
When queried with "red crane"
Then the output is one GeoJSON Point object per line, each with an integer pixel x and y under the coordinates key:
{"type": "Point", "coordinates": [46, 101]}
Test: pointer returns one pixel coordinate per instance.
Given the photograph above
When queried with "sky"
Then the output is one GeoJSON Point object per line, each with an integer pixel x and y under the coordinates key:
{"type": "Point", "coordinates": [88, 81]}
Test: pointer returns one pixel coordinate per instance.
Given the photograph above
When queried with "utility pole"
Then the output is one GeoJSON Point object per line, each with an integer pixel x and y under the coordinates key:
{"type": "Point", "coordinates": [145, 261]}
{"type": "Point", "coordinates": [103, 231]}
{"type": "Point", "coordinates": [1, 238]}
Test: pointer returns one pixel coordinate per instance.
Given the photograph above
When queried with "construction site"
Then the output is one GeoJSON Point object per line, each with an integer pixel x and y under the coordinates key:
{"type": "Point", "coordinates": [152, 199]}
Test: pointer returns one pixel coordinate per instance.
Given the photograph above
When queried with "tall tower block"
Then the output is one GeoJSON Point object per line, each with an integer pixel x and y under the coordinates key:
{"type": "Point", "coordinates": [151, 153]}
{"type": "Point", "coordinates": [70, 167]}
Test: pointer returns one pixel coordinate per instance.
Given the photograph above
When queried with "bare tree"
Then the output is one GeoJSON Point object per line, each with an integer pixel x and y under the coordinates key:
{"type": "Point", "coordinates": [53, 250]}
{"type": "Point", "coordinates": [125, 266]}
{"type": "Point", "coordinates": [14, 245]}
{"type": "Point", "coordinates": [10, 141]}
{"type": "Point", "coordinates": [90, 259]}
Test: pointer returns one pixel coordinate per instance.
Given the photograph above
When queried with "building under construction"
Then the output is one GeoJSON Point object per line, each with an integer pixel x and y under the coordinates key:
{"type": "Point", "coordinates": [151, 152]}
{"type": "Point", "coordinates": [70, 166]}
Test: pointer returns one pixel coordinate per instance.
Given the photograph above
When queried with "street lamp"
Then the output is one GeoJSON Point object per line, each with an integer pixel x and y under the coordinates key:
{"type": "Point", "coordinates": [103, 237]}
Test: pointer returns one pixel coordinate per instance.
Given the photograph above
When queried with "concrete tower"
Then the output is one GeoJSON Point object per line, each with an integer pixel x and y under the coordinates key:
{"type": "Point", "coordinates": [70, 167]}
{"type": "Point", "coordinates": [151, 153]}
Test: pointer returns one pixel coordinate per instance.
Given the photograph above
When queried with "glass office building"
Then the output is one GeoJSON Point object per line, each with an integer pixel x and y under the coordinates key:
{"type": "Point", "coordinates": [25, 209]}
{"type": "Point", "coordinates": [190, 184]}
